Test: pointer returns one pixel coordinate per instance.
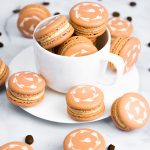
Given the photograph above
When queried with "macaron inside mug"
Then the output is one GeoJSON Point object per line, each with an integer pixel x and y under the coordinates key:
{"type": "Point", "coordinates": [53, 31]}
{"type": "Point", "coordinates": [77, 46]}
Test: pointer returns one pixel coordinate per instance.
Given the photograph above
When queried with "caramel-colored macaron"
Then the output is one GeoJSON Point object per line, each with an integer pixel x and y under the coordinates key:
{"type": "Point", "coordinates": [53, 32]}
{"type": "Point", "coordinates": [16, 146]}
{"type": "Point", "coordinates": [4, 71]}
{"type": "Point", "coordinates": [29, 18]}
{"type": "Point", "coordinates": [119, 27]}
{"type": "Point", "coordinates": [77, 46]}
{"type": "Point", "coordinates": [131, 111]}
{"type": "Point", "coordinates": [84, 139]}
{"type": "Point", "coordinates": [128, 48]}
{"type": "Point", "coordinates": [85, 103]}
{"type": "Point", "coordinates": [89, 19]}
{"type": "Point", "coordinates": [25, 89]}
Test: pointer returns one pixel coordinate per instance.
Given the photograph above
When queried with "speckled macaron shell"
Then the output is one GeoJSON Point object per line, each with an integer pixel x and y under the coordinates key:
{"type": "Point", "coordinates": [16, 146]}
{"type": "Point", "coordinates": [88, 14]}
{"type": "Point", "coordinates": [4, 71]}
{"type": "Point", "coordinates": [119, 27]}
{"type": "Point", "coordinates": [85, 139]}
{"type": "Point", "coordinates": [84, 97]}
{"type": "Point", "coordinates": [131, 111]}
{"type": "Point", "coordinates": [29, 18]}
{"type": "Point", "coordinates": [77, 46]}
{"type": "Point", "coordinates": [53, 32]}
{"type": "Point", "coordinates": [26, 83]}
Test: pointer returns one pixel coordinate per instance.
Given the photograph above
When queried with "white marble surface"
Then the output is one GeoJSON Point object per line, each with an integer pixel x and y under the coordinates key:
{"type": "Point", "coordinates": [15, 124]}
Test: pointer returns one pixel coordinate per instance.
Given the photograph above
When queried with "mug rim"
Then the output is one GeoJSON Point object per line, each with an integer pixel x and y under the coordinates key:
{"type": "Point", "coordinates": [66, 57]}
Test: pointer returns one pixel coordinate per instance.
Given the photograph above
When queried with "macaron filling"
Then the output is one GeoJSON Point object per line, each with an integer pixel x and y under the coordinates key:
{"type": "Point", "coordinates": [2, 68]}
{"type": "Point", "coordinates": [55, 34]}
{"type": "Point", "coordinates": [87, 113]}
{"type": "Point", "coordinates": [26, 97]}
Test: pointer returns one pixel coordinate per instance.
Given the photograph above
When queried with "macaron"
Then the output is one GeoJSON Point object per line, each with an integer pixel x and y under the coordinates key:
{"type": "Point", "coordinates": [29, 17]}
{"type": "Point", "coordinates": [16, 146]}
{"type": "Point", "coordinates": [84, 139]}
{"type": "Point", "coordinates": [53, 32]}
{"type": "Point", "coordinates": [128, 48]}
{"type": "Point", "coordinates": [89, 19]}
{"type": "Point", "coordinates": [85, 103]}
{"type": "Point", "coordinates": [119, 27]}
{"type": "Point", "coordinates": [77, 46]}
{"type": "Point", "coordinates": [4, 71]}
{"type": "Point", "coordinates": [25, 89]}
{"type": "Point", "coordinates": [131, 111]}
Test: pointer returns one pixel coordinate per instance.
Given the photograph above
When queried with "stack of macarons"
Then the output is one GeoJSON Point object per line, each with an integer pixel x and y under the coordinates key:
{"type": "Point", "coordinates": [77, 35]}
{"type": "Point", "coordinates": [4, 71]}
{"type": "Point", "coordinates": [29, 18]}
{"type": "Point", "coordinates": [122, 43]}
{"type": "Point", "coordinates": [25, 89]}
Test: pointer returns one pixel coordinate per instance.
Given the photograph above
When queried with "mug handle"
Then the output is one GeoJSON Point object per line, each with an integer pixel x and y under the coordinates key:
{"type": "Point", "coordinates": [119, 64]}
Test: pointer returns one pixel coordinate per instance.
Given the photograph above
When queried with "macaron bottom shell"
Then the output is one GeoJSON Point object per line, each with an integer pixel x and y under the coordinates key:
{"type": "Point", "coordinates": [86, 115]}
{"type": "Point", "coordinates": [23, 100]}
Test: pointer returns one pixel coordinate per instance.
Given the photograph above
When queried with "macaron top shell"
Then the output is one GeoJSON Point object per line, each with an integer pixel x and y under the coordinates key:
{"type": "Point", "coordinates": [133, 110]}
{"type": "Point", "coordinates": [26, 83]}
{"type": "Point", "coordinates": [84, 97]}
{"type": "Point", "coordinates": [51, 25]}
{"type": "Point", "coordinates": [77, 46]}
{"type": "Point", "coordinates": [84, 139]}
{"type": "Point", "coordinates": [130, 52]}
{"type": "Point", "coordinates": [119, 27]}
{"type": "Point", "coordinates": [29, 17]}
{"type": "Point", "coordinates": [88, 14]}
{"type": "Point", "coordinates": [16, 146]}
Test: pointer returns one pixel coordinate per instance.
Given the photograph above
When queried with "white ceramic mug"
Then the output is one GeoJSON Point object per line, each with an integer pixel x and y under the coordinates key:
{"type": "Point", "coordinates": [63, 72]}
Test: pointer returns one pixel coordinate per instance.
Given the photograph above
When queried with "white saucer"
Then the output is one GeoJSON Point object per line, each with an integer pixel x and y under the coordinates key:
{"type": "Point", "coordinates": [53, 107]}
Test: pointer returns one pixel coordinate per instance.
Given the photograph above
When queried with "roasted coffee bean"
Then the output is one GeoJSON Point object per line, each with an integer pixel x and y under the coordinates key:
{"type": "Point", "coordinates": [56, 13]}
{"type": "Point", "coordinates": [148, 44]}
{"type": "Point", "coordinates": [111, 147]}
{"type": "Point", "coordinates": [0, 33]}
{"type": "Point", "coordinates": [132, 4]}
{"type": "Point", "coordinates": [29, 139]}
{"type": "Point", "coordinates": [129, 18]}
{"type": "Point", "coordinates": [16, 11]}
{"type": "Point", "coordinates": [1, 44]}
{"type": "Point", "coordinates": [116, 14]}
{"type": "Point", "coordinates": [45, 3]}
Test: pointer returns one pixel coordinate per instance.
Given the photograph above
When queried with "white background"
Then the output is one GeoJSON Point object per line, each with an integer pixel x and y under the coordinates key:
{"type": "Point", "coordinates": [15, 124]}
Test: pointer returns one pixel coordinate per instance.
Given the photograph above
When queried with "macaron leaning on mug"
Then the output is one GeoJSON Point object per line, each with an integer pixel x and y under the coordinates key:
{"type": "Point", "coordinates": [130, 111]}
{"type": "Point", "coordinates": [29, 17]}
{"type": "Point", "coordinates": [128, 48]}
{"type": "Point", "coordinates": [119, 27]}
{"type": "Point", "coordinates": [77, 46]}
{"type": "Point", "coordinates": [53, 32]}
{"type": "Point", "coordinates": [89, 19]}
{"type": "Point", "coordinates": [25, 89]}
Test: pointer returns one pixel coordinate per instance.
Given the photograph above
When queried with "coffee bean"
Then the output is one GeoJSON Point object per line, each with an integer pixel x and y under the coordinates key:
{"type": "Point", "coordinates": [29, 139]}
{"type": "Point", "coordinates": [111, 147]}
{"type": "Point", "coordinates": [116, 14]}
{"type": "Point", "coordinates": [0, 33]}
{"type": "Point", "coordinates": [56, 13]}
{"type": "Point", "coordinates": [45, 3]}
{"type": "Point", "coordinates": [148, 44]}
{"type": "Point", "coordinates": [16, 11]}
{"type": "Point", "coordinates": [129, 18]}
{"type": "Point", "coordinates": [1, 44]}
{"type": "Point", "coordinates": [149, 69]}
{"type": "Point", "coordinates": [132, 4]}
